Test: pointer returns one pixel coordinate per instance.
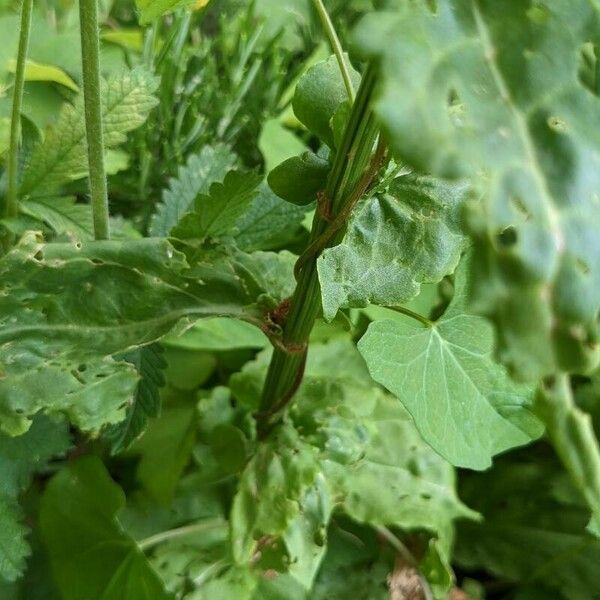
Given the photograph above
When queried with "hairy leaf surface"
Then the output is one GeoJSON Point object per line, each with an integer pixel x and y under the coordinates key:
{"type": "Point", "coordinates": [463, 404]}
{"type": "Point", "coordinates": [215, 213]}
{"type": "Point", "coordinates": [61, 156]}
{"type": "Point", "coordinates": [481, 87]}
{"type": "Point", "coordinates": [72, 306]}
{"type": "Point", "coordinates": [395, 242]}
{"type": "Point", "coordinates": [195, 178]}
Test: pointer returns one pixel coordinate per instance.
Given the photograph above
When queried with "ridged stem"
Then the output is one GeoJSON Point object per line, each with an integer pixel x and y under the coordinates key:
{"type": "Point", "coordinates": [90, 59]}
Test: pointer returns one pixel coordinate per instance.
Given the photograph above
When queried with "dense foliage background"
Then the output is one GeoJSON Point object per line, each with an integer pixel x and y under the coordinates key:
{"type": "Point", "coordinates": [459, 311]}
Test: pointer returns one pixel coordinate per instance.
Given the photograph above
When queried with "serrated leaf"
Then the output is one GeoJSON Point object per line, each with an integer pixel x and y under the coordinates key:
{"type": "Point", "coordinates": [149, 364]}
{"type": "Point", "coordinates": [62, 214]}
{"type": "Point", "coordinates": [463, 403]}
{"type": "Point", "coordinates": [492, 91]}
{"type": "Point", "coordinates": [195, 178]}
{"type": "Point", "coordinates": [396, 242]}
{"type": "Point", "coordinates": [14, 548]}
{"type": "Point", "coordinates": [268, 223]}
{"type": "Point", "coordinates": [20, 458]}
{"type": "Point", "coordinates": [90, 554]}
{"type": "Point", "coordinates": [319, 93]}
{"type": "Point", "coordinates": [56, 349]}
{"type": "Point", "coordinates": [61, 156]}
{"type": "Point", "coordinates": [215, 214]}
{"type": "Point", "coordinates": [299, 179]}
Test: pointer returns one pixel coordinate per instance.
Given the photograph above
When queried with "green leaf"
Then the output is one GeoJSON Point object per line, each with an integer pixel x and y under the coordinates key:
{"type": "Point", "coordinates": [91, 556]}
{"type": "Point", "coordinates": [463, 404]}
{"type": "Point", "coordinates": [268, 223]}
{"type": "Point", "coordinates": [61, 156]}
{"type": "Point", "coordinates": [409, 236]}
{"type": "Point", "coordinates": [570, 431]}
{"type": "Point", "coordinates": [150, 365]}
{"type": "Point", "coordinates": [400, 481]}
{"type": "Point", "coordinates": [195, 178]}
{"type": "Point", "coordinates": [164, 450]}
{"type": "Point", "coordinates": [35, 71]}
{"type": "Point", "coordinates": [62, 214]}
{"type": "Point", "coordinates": [149, 10]}
{"type": "Point", "coordinates": [277, 143]}
{"type": "Point", "coordinates": [533, 529]}
{"type": "Point", "coordinates": [14, 548]}
{"type": "Point", "coordinates": [215, 214]}
{"type": "Point", "coordinates": [219, 334]}
{"type": "Point", "coordinates": [20, 458]}
{"type": "Point", "coordinates": [319, 93]}
{"type": "Point", "coordinates": [56, 349]}
{"type": "Point", "coordinates": [270, 491]}
{"type": "Point", "coordinates": [299, 179]}
{"type": "Point", "coordinates": [468, 90]}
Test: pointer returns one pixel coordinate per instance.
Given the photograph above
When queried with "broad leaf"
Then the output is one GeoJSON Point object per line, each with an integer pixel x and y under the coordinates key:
{"type": "Point", "coordinates": [215, 213]}
{"type": "Point", "coordinates": [463, 403]}
{"type": "Point", "coordinates": [319, 93]}
{"type": "Point", "coordinates": [193, 179]}
{"type": "Point", "coordinates": [61, 156]}
{"type": "Point", "coordinates": [56, 349]}
{"type": "Point", "coordinates": [492, 90]}
{"type": "Point", "coordinates": [395, 242]}
{"type": "Point", "coordinates": [91, 556]}
{"type": "Point", "coordinates": [149, 364]}
{"type": "Point", "coordinates": [13, 545]}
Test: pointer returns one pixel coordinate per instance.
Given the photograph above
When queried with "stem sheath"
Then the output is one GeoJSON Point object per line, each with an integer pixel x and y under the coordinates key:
{"type": "Point", "coordinates": [12, 206]}
{"type": "Point", "coordinates": [90, 58]}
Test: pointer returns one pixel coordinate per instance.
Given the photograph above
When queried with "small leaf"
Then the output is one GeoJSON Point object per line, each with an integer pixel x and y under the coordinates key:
{"type": "Point", "coordinates": [395, 243]}
{"type": "Point", "coordinates": [299, 179]}
{"type": "Point", "coordinates": [277, 143]}
{"type": "Point", "coordinates": [216, 213]}
{"type": "Point", "coordinates": [318, 95]}
{"type": "Point", "coordinates": [152, 9]}
{"type": "Point", "coordinates": [14, 548]}
{"type": "Point", "coordinates": [91, 556]}
{"type": "Point", "coordinates": [62, 214]}
{"type": "Point", "coordinates": [193, 179]}
{"type": "Point", "coordinates": [463, 404]}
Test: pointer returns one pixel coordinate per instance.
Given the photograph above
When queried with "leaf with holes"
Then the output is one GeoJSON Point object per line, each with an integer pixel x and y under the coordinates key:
{"type": "Point", "coordinates": [491, 90]}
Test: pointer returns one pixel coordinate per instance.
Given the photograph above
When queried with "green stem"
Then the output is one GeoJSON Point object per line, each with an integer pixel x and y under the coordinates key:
{"type": "Point", "coordinates": [90, 58]}
{"type": "Point", "coordinates": [336, 46]}
{"type": "Point", "coordinates": [352, 160]}
{"type": "Point", "coordinates": [171, 534]}
{"type": "Point", "coordinates": [12, 205]}
{"type": "Point", "coordinates": [571, 432]}
{"type": "Point", "coordinates": [412, 314]}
